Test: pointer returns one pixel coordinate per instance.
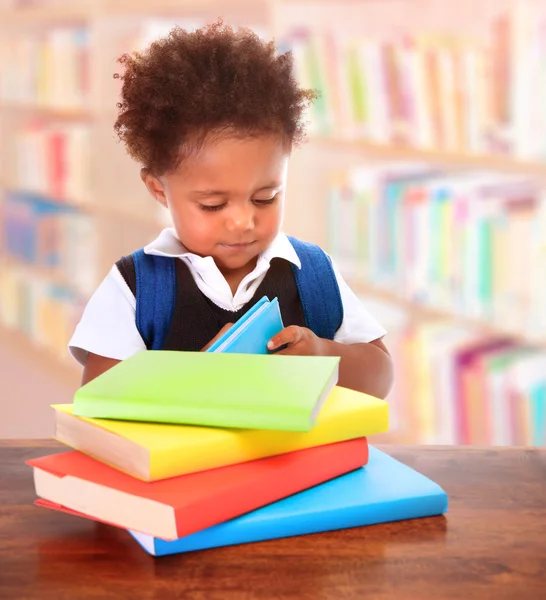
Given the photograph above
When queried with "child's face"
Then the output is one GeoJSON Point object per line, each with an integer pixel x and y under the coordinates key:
{"type": "Point", "coordinates": [227, 201]}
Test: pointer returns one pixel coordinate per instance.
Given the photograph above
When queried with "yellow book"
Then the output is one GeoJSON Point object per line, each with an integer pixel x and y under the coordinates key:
{"type": "Point", "coordinates": [155, 451]}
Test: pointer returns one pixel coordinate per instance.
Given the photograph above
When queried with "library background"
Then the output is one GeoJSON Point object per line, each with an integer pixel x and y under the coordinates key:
{"type": "Point", "coordinates": [424, 176]}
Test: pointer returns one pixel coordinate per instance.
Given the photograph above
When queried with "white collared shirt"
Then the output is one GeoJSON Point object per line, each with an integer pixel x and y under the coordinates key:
{"type": "Point", "coordinates": [107, 326]}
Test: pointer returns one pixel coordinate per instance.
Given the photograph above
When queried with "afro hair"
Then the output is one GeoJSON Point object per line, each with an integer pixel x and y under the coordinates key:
{"type": "Point", "coordinates": [189, 86]}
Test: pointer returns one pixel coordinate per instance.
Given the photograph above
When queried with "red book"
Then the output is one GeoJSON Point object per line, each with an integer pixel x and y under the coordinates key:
{"type": "Point", "coordinates": [179, 506]}
{"type": "Point", "coordinates": [465, 359]}
{"type": "Point", "coordinates": [57, 147]}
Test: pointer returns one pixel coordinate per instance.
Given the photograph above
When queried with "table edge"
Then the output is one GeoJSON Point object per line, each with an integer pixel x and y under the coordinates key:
{"type": "Point", "coordinates": [50, 443]}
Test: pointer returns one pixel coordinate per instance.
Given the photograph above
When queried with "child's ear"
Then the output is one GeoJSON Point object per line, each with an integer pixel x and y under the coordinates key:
{"type": "Point", "coordinates": [154, 186]}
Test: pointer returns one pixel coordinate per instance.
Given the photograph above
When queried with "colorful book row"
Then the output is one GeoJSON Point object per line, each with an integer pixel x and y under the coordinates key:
{"type": "Point", "coordinates": [53, 159]}
{"type": "Point", "coordinates": [471, 244]}
{"type": "Point", "coordinates": [49, 68]}
{"type": "Point", "coordinates": [52, 68]}
{"type": "Point", "coordinates": [41, 233]}
{"type": "Point", "coordinates": [456, 385]}
{"type": "Point", "coordinates": [45, 312]}
{"type": "Point", "coordinates": [431, 90]}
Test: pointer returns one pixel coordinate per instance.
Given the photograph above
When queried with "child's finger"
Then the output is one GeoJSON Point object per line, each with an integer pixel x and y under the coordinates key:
{"type": "Point", "coordinates": [287, 337]}
{"type": "Point", "coordinates": [220, 333]}
{"type": "Point", "coordinates": [224, 329]}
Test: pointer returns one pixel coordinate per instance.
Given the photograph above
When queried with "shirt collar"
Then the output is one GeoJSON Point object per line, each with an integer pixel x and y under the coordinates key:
{"type": "Point", "coordinates": [168, 244]}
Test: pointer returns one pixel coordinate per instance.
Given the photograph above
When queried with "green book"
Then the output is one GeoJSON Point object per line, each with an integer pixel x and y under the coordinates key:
{"type": "Point", "coordinates": [215, 389]}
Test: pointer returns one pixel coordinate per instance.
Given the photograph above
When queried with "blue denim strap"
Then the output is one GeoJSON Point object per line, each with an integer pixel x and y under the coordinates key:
{"type": "Point", "coordinates": [156, 293]}
{"type": "Point", "coordinates": [155, 296]}
{"type": "Point", "coordinates": [318, 289]}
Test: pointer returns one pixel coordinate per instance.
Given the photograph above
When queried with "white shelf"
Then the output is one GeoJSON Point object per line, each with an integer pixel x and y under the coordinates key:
{"type": "Point", "coordinates": [421, 312]}
{"type": "Point", "coordinates": [456, 160]}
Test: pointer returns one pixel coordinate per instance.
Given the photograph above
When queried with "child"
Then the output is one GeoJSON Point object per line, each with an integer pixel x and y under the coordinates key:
{"type": "Point", "coordinates": [212, 117]}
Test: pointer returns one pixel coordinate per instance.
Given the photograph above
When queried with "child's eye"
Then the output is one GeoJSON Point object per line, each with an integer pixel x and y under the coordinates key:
{"type": "Point", "coordinates": [264, 201]}
{"type": "Point", "coordinates": [212, 208]}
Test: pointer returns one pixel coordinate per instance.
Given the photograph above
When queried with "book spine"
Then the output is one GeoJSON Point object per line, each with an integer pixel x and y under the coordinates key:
{"type": "Point", "coordinates": [236, 532]}
{"type": "Point", "coordinates": [457, 93]}
{"type": "Point", "coordinates": [51, 251]}
{"type": "Point", "coordinates": [304, 470]}
{"type": "Point", "coordinates": [48, 70]}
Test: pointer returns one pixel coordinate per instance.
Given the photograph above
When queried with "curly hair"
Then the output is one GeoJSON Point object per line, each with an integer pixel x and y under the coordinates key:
{"type": "Point", "coordinates": [189, 85]}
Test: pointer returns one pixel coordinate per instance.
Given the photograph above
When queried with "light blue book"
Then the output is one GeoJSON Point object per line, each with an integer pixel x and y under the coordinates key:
{"type": "Point", "coordinates": [250, 334]}
{"type": "Point", "coordinates": [382, 491]}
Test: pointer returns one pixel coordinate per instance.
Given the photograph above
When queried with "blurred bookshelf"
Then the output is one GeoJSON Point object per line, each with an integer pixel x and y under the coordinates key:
{"type": "Point", "coordinates": [451, 160]}
{"type": "Point", "coordinates": [432, 183]}
{"type": "Point", "coordinates": [48, 12]}
{"type": "Point", "coordinates": [423, 106]}
{"type": "Point", "coordinates": [57, 366]}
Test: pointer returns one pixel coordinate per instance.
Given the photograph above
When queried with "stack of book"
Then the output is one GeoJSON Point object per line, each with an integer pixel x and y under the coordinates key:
{"type": "Point", "coordinates": [189, 451]}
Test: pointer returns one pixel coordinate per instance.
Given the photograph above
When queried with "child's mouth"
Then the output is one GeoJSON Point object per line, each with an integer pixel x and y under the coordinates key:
{"type": "Point", "coordinates": [238, 247]}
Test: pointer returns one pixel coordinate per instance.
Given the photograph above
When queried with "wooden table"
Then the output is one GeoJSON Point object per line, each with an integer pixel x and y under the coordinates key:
{"type": "Point", "coordinates": [491, 544]}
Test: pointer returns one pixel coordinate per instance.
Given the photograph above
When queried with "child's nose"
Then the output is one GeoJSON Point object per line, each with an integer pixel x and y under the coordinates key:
{"type": "Point", "coordinates": [241, 218]}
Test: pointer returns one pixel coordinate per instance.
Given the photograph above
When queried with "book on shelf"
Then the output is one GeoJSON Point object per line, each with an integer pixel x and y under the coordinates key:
{"type": "Point", "coordinates": [53, 159]}
{"type": "Point", "coordinates": [44, 311]}
{"type": "Point", "coordinates": [183, 505]}
{"type": "Point", "coordinates": [428, 89]}
{"type": "Point", "coordinates": [460, 385]}
{"type": "Point", "coordinates": [48, 70]}
{"type": "Point", "coordinates": [525, 396]}
{"type": "Point", "coordinates": [470, 393]}
{"type": "Point", "coordinates": [43, 234]}
{"type": "Point", "coordinates": [464, 243]}
{"type": "Point", "coordinates": [154, 451]}
{"type": "Point", "coordinates": [49, 265]}
{"type": "Point", "coordinates": [251, 391]}
{"type": "Point", "coordinates": [382, 491]}
{"type": "Point", "coordinates": [356, 215]}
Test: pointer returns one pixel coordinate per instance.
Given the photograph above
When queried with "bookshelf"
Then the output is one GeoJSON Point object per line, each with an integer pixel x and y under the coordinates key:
{"type": "Point", "coordinates": [451, 160]}
{"type": "Point", "coordinates": [36, 272]}
{"type": "Point", "coordinates": [89, 10]}
{"type": "Point", "coordinates": [39, 15]}
{"type": "Point", "coordinates": [57, 99]}
{"type": "Point", "coordinates": [60, 368]}
{"type": "Point", "coordinates": [454, 94]}
{"type": "Point", "coordinates": [340, 137]}
{"type": "Point", "coordinates": [422, 313]}
{"type": "Point", "coordinates": [46, 112]}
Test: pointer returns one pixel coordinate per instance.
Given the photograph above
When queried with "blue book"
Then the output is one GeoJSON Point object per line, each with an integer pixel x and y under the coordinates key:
{"type": "Point", "coordinates": [250, 334]}
{"type": "Point", "coordinates": [384, 490]}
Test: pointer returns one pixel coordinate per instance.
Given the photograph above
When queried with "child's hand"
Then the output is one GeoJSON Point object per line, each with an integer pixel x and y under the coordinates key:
{"type": "Point", "coordinates": [220, 333]}
{"type": "Point", "coordinates": [298, 341]}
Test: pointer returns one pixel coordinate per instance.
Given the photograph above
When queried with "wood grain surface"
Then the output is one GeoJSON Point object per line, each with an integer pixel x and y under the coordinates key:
{"type": "Point", "coordinates": [491, 543]}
